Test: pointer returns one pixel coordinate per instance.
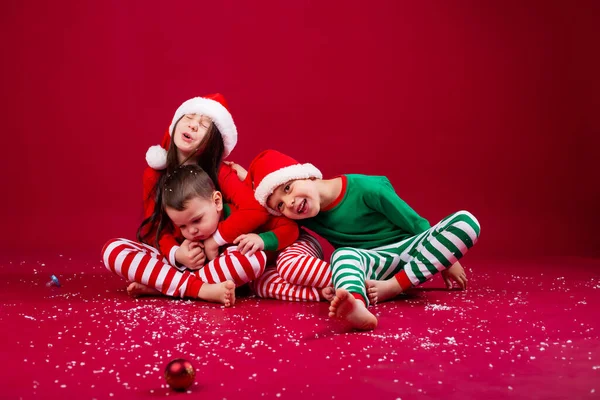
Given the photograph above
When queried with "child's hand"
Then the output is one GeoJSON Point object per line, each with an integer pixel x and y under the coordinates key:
{"type": "Point", "coordinates": [211, 249]}
{"type": "Point", "coordinates": [250, 243]}
{"type": "Point", "coordinates": [239, 170]}
{"type": "Point", "coordinates": [202, 260]}
{"type": "Point", "coordinates": [193, 245]}
{"type": "Point", "coordinates": [191, 254]}
{"type": "Point", "coordinates": [455, 273]}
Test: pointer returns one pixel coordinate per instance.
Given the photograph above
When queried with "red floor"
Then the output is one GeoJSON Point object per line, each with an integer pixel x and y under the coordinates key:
{"type": "Point", "coordinates": [522, 330]}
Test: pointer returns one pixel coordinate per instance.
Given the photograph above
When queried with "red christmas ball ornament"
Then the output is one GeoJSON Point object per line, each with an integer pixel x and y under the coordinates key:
{"type": "Point", "coordinates": [180, 374]}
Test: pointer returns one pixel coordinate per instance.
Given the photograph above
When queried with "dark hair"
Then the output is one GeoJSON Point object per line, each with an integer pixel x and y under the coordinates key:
{"type": "Point", "coordinates": [210, 155]}
{"type": "Point", "coordinates": [185, 183]}
{"type": "Point", "coordinates": [180, 186]}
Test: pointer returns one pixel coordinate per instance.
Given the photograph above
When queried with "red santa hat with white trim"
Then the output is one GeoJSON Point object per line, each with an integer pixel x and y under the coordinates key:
{"type": "Point", "coordinates": [271, 169]}
{"type": "Point", "coordinates": [213, 106]}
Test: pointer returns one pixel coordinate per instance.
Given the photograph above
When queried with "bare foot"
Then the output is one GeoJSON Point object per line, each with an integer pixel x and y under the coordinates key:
{"type": "Point", "coordinates": [345, 306]}
{"type": "Point", "coordinates": [384, 290]}
{"type": "Point", "coordinates": [223, 293]}
{"type": "Point", "coordinates": [136, 290]}
{"type": "Point", "coordinates": [327, 293]}
{"type": "Point", "coordinates": [372, 292]}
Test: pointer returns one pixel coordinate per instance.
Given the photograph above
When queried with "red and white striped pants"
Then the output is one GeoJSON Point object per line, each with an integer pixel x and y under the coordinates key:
{"type": "Point", "coordinates": [138, 262]}
{"type": "Point", "coordinates": [298, 273]}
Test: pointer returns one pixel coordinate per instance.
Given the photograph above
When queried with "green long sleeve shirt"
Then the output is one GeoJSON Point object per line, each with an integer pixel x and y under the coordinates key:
{"type": "Point", "coordinates": [368, 214]}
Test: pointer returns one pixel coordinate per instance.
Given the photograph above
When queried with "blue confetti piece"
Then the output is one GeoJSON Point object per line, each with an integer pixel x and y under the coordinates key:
{"type": "Point", "coordinates": [53, 281]}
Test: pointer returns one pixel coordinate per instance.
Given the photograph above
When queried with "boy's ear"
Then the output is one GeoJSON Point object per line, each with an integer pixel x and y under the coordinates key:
{"type": "Point", "coordinates": [218, 199]}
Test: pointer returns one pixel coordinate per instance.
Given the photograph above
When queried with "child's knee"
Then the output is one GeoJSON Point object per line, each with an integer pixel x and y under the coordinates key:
{"type": "Point", "coordinates": [344, 255]}
{"type": "Point", "coordinates": [259, 262]}
{"type": "Point", "coordinates": [108, 248]}
{"type": "Point", "coordinates": [107, 245]}
{"type": "Point", "coordinates": [282, 264]}
{"type": "Point", "coordinates": [466, 222]}
{"type": "Point", "coordinates": [345, 251]}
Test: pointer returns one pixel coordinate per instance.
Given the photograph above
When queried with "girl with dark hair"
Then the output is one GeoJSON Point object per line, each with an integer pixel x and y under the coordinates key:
{"type": "Point", "coordinates": [202, 132]}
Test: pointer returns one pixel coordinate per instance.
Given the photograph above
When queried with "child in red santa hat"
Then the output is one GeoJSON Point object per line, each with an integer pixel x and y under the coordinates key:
{"type": "Point", "coordinates": [382, 246]}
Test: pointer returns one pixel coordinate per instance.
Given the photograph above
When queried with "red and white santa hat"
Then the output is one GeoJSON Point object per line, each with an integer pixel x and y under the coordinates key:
{"type": "Point", "coordinates": [213, 106]}
{"type": "Point", "coordinates": [271, 169]}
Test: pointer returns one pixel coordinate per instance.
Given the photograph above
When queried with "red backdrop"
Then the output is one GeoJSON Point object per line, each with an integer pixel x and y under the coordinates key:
{"type": "Point", "coordinates": [488, 107]}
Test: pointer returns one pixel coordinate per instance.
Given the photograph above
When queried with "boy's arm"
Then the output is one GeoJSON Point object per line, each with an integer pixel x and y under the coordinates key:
{"type": "Point", "coordinates": [280, 232]}
{"type": "Point", "coordinates": [385, 200]}
{"type": "Point", "coordinates": [167, 243]}
{"type": "Point", "coordinates": [249, 215]}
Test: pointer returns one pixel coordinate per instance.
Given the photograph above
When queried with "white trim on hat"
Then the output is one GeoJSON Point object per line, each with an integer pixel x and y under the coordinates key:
{"type": "Point", "coordinates": [215, 111]}
{"type": "Point", "coordinates": [270, 182]}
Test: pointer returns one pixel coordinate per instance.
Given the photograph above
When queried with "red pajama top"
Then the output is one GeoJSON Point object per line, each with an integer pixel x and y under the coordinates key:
{"type": "Point", "coordinates": [247, 216]}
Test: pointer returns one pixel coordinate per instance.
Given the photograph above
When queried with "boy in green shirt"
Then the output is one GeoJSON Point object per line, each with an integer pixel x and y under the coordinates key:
{"type": "Point", "coordinates": [382, 246]}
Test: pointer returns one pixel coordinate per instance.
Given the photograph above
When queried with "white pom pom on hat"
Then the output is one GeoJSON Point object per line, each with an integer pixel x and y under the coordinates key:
{"type": "Point", "coordinates": [156, 157]}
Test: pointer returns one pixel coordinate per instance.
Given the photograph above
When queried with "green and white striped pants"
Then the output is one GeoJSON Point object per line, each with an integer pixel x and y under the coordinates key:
{"type": "Point", "coordinates": [420, 256]}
